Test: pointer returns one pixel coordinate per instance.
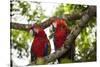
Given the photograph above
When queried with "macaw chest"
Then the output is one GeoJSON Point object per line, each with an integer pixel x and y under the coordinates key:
{"type": "Point", "coordinates": [39, 42]}
{"type": "Point", "coordinates": [59, 37]}
{"type": "Point", "coordinates": [60, 33]}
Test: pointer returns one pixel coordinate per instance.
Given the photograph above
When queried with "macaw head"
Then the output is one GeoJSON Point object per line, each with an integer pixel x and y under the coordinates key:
{"type": "Point", "coordinates": [55, 23]}
{"type": "Point", "coordinates": [35, 29]}
{"type": "Point", "coordinates": [58, 22]}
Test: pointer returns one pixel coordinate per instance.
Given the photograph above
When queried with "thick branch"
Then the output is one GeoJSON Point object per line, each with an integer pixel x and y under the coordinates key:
{"type": "Point", "coordinates": [19, 26]}
{"type": "Point", "coordinates": [90, 12]}
{"type": "Point", "coordinates": [46, 23]}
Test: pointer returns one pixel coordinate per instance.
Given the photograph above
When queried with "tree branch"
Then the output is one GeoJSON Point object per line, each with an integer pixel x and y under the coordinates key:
{"type": "Point", "coordinates": [89, 13]}
{"type": "Point", "coordinates": [46, 23]}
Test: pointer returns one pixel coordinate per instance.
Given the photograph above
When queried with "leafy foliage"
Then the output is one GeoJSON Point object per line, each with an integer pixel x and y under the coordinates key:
{"type": "Point", "coordinates": [69, 9]}
{"type": "Point", "coordinates": [19, 41]}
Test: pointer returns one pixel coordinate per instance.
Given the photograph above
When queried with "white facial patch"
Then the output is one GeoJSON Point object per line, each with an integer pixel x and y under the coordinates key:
{"type": "Point", "coordinates": [36, 30]}
{"type": "Point", "coordinates": [55, 24]}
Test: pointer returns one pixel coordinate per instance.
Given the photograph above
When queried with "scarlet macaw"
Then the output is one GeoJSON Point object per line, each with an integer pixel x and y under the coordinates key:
{"type": "Point", "coordinates": [40, 45]}
{"type": "Point", "coordinates": [60, 35]}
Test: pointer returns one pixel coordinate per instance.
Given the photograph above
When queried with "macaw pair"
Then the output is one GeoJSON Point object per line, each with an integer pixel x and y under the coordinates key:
{"type": "Point", "coordinates": [41, 45]}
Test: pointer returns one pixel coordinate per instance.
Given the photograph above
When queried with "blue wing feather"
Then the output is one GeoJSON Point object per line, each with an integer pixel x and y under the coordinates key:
{"type": "Point", "coordinates": [46, 50]}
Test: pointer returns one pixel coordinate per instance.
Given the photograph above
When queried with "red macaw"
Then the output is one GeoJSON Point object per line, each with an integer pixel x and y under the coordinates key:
{"type": "Point", "coordinates": [60, 35]}
{"type": "Point", "coordinates": [40, 45]}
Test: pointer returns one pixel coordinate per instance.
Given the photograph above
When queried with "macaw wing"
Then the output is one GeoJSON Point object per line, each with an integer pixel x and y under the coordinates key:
{"type": "Point", "coordinates": [47, 49]}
